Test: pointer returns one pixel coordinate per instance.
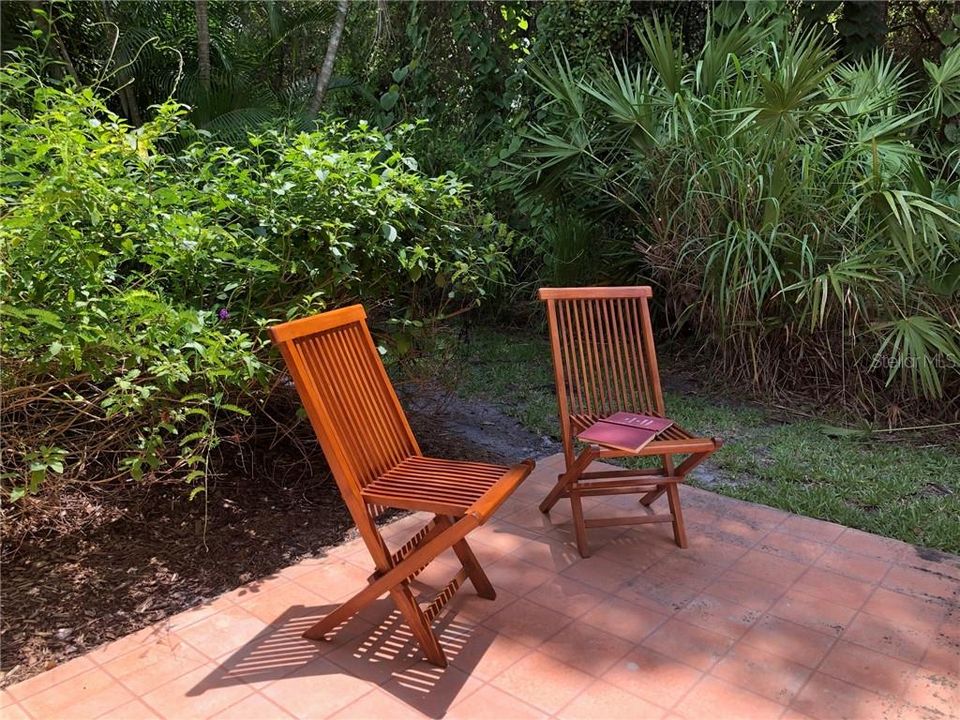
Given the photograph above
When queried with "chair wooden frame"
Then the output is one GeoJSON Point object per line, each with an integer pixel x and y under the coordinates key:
{"type": "Point", "coordinates": [377, 464]}
{"type": "Point", "coordinates": [604, 361]}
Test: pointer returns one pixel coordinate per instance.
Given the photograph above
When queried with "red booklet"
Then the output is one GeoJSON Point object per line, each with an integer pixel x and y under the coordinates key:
{"type": "Point", "coordinates": [625, 431]}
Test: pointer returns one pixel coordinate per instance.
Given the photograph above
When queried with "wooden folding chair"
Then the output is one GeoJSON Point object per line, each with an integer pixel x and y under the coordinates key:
{"type": "Point", "coordinates": [377, 464]}
{"type": "Point", "coordinates": [604, 362]}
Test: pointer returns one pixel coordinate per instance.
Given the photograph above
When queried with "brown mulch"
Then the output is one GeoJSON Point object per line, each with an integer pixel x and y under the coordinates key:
{"type": "Point", "coordinates": [153, 553]}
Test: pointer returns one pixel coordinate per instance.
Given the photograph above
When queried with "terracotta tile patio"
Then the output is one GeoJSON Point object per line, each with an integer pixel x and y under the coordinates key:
{"type": "Point", "coordinates": [765, 615]}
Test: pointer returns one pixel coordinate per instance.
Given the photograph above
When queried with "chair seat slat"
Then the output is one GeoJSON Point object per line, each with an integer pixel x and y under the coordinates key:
{"type": "Point", "coordinates": [437, 481]}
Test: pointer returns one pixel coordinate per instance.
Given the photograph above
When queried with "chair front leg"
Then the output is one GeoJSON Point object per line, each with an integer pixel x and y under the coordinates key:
{"type": "Point", "coordinates": [396, 578]}
{"type": "Point", "coordinates": [572, 474]}
{"type": "Point", "coordinates": [419, 625]}
{"type": "Point", "coordinates": [651, 497]}
{"type": "Point", "coordinates": [481, 583]}
{"type": "Point", "coordinates": [679, 532]}
{"type": "Point", "coordinates": [579, 525]}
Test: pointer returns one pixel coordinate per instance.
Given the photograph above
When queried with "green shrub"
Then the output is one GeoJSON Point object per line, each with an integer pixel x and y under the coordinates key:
{"type": "Point", "coordinates": [138, 277]}
{"type": "Point", "coordinates": [801, 216]}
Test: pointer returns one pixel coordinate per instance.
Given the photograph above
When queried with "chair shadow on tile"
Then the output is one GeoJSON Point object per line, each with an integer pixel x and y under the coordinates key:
{"type": "Point", "coordinates": [382, 653]}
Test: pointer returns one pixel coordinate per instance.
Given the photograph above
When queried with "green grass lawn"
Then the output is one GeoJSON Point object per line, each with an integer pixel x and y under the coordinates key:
{"type": "Point", "coordinates": [879, 482]}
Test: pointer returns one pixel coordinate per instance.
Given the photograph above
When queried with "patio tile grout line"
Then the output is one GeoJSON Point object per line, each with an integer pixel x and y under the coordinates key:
{"type": "Point", "coordinates": [707, 672]}
{"type": "Point", "coordinates": [857, 614]}
{"type": "Point", "coordinates": [876, 585]}
{"type": "Point", "coordinates": [836, 638]}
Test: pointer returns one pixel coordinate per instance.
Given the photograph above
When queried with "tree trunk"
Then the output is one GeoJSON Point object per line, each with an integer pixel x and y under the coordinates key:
{"type": "Point", "coordinates": [326, 71]}
{"type": "Point", "coordinates": [203, 43]}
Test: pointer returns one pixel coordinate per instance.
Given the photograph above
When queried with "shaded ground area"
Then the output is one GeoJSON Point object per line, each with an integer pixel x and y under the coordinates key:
{"type": "Point", "coordinates": [155, 555]}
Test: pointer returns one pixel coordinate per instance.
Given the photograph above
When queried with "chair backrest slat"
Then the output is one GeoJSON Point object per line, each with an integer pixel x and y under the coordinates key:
{"type": "Point", "coordinates": [603, 352]}
{"type": "Point", "coordinates": [348, 396]}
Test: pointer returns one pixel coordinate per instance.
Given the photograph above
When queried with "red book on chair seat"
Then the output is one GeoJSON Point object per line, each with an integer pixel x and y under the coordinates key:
{"type": "Point", "coordinates": [625, 431]}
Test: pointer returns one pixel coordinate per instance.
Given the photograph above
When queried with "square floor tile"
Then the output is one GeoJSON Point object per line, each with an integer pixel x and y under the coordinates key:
{"type": "Point", "coordinates": [223, 632]}
{"type": "Point", "coordinates": [489, 702]}
{"type": "Point", "coordinates": [684, 569]}
{"type": "Point", "coordinates": [425, 690]}
{"type": "Point", "coordinates": [317, 690]}
{"type": "Point", "coordinates": [934, 692]}
{"type": "Point", "coordinates": [548, 554]}
{"type": "Point", "coordinates": [874, 671]}
{"type": "Point", "coordinates": [713, 551]}
{"type": "Point", "coordinates": [605, 575]}
{"type": "Point", "coordinates": [827, 698]}
{"type": "Point", "coordinates": [690, 644]}
{"type": "Point", "coordinates": [89, 694]}
{"type": "Point", "coordinates": [602, 700]}
{"type": "Point", "coordinates": [717, 698]}
{"type": "Point", "coordinates": [827, 585]}
{"type": "Point", "coordinates": [943, 655]}
{"type": "Point", "coordinates": [154, 664]}
{"type": "Point", "coordinates": [663, 594]}
{"type": "Point", "coordinates": [487, 654]}
{"type": "Point", "coordinates": [923, 614]}
{"type": "Point", "coordinates": [771, 676]}
{"type": "Point", "coordinates": [719, 615]}
{"type": "Point", "coordinates": [773, 569]}
{"type": "Point", "coordinates": [814, 613]}
{"type": "Point", "coordinates": [378, 704]}
{"type": "Point", "coordinates": [515, 576]}
{"type": "Point", "coordinates": [789, 640]}
{"type": "Point", "coordinates": [527, 622]}
{"type": "Point", "coordinates": [922, 581]}
{"type": "Point", "coordinates": [636, 549]}
{"type": "Point", "coordinates": [745, 590]}
{"type": "Point", "coordinates": [792, 547]}
{"type": "Point", "coordinates": [335, 580]}
{"type": "Point", "coordinates": [586, 648]}
{"type": "Point", "coordinates": [51, 678]}
{"type": "Point", "coordinates": [812, 528]}
{"type": "Point", "coordinates": [859, 567]}
{"type": "Point", "coordinates": [888, 636]}
{"type": "Point", "coordinates": [198, 694]}
{"type": "Point", "coordinates": [14, 712]}
{"type": "Point", "coordinates": [631, 621]}
{"type": "Point", "coordinates": [570, 597]}
{"type": "Point", "coordinates": [133, 710]}
{"type": "Point", "coordinates": [868, 544]}
{"type": "Point", "coordinates": [653, 676]}
{"type": "Point", "coordinates": [253, 707]}
{"type": "Point", "coordinates": [542, 681]}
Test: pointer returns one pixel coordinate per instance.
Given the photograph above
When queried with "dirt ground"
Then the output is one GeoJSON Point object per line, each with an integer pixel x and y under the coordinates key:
{"type": "Point", "coordinates": [156, 556]}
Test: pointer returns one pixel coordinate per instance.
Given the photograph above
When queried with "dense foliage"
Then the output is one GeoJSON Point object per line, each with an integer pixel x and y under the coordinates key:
{"type": "Point", "coordinates": [802, 216]}
{"type": "Point", "coordinates": [138, 278]}
{"type": "Point", "coordinates": [168, 190]}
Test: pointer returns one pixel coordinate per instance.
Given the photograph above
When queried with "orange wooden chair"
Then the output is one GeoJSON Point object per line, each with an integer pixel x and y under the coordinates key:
{"type": "Point", "coordinates": [377, 464]}
{"type": "Point", "coordinates": [604, 362]}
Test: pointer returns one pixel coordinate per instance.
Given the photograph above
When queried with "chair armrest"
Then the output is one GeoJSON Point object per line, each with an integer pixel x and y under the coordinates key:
{"type": "Point", "coordinates": [493, 498]}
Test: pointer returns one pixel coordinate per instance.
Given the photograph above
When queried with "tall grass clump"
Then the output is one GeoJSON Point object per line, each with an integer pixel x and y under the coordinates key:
{"type": "Point", "coordinates": [801, 215]}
